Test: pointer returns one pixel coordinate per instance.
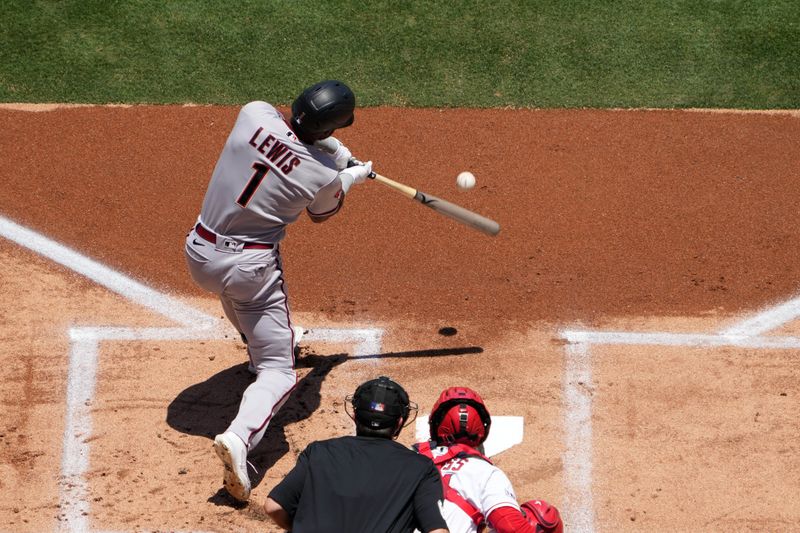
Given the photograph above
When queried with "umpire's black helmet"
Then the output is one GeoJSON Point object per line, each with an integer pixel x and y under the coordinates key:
{"type": "Point", "coordinates": [380, 403]}
{"type": "Point", "coordinates": [321, 109]}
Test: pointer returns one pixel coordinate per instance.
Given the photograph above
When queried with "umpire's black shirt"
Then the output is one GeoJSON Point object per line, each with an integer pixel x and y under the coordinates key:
{"type": "Point", "coordinates": [361, 484]}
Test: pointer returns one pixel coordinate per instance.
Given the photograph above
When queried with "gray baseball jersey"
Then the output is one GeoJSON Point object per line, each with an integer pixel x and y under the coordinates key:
{"type": "Point", "coordinates": [265, 177]}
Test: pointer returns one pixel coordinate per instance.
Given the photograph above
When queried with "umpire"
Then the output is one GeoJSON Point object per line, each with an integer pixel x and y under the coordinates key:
{"type": "Point", "coordinates": [368, 483]}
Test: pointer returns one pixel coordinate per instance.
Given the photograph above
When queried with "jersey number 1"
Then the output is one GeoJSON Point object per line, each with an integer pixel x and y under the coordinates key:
{"type": "Point", "coordinates": [255, 180]}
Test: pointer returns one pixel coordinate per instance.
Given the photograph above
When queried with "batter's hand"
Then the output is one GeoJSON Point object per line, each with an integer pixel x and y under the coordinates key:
{"type": "Point", "coordinates": [360, 172]}
{"type": "Point", "coordinates": [355, 174]}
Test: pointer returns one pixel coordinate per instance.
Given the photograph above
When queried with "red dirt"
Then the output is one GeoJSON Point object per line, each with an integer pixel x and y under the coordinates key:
{"type": "Point", "coordinates": [608, 217]}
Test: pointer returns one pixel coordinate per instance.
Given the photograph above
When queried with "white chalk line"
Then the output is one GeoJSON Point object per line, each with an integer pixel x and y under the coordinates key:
{"type": "Point", "coordinates": [767, 320]}
{"type": "Point", "coordinates": [105, 276]}
{"type": "Point", "coordinates": [367, 340]}
{"type": "Point", "coordinates": [84, 349]}
{"type": "Point", "coordinates": [578, 505]}
{"type": "Point", "coordinates": [698, 340]}
{"type": "Point", "coordinates": [578, 512]}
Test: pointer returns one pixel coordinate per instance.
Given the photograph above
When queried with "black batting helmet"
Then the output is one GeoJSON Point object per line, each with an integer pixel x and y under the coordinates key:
{"type": "Point", "coordinates": [321, 109]}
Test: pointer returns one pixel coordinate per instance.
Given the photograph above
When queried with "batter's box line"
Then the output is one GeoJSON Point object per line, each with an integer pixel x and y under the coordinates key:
{"type": "Point", "coordinates": [578, 389]}
{"type": "Point", "coordinates": [698, 340]}
{"type": "Point", "coordinates": [81, 383]}
{"type": "Point", "coordinates": [367, 340]}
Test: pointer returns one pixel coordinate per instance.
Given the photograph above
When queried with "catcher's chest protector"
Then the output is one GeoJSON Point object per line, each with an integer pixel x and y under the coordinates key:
{"type": "Point", "coordinates": [453, 452]}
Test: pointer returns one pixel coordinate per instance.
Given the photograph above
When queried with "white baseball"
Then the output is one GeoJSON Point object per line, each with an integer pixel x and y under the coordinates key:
{"type": "Point", "coordinates": [465, 181]}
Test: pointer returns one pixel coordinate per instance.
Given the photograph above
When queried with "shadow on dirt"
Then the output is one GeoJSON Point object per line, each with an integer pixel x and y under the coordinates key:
{"type": "Point", "coordinates": [433, 352]}
{"type": "Point", "coordinates": [206, 409]}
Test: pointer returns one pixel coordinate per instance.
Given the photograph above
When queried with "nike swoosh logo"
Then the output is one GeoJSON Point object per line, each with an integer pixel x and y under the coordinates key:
{"type": "Point", "coordinates": [197, 242]}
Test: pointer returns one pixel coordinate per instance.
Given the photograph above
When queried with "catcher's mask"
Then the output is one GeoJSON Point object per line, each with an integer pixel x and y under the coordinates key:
{"type": "Point", "coordinates": [321, 109]}
{"type": "Point", "coordinates": [459, 416]}
{"type": "Point", "coordinates": [543, 516]}
{"type": "Point", "coordinates": [379, 403]}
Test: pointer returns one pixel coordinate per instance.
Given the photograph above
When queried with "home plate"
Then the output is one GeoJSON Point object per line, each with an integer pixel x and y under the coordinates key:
{"type": "Point", "coordinates": [506, 431]}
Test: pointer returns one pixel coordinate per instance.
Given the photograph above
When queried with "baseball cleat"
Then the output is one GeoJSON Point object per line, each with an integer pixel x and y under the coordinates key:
{"type": "Point", "coordinates": [233, 453]}
{"type": "Point", "coordinates": [299, 331]}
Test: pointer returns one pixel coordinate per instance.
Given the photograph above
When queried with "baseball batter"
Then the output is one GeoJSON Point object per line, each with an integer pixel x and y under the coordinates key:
{"type": "Point", "coordinates": [268, 173]}
{"type": "Point", "coordinates": [476, 492]}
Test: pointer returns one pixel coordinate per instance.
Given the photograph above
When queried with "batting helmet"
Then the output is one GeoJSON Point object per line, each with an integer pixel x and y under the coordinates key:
{"type": "Point", "coordinates": [543, 516]}
{"type": "Point", "coordinates": [379, 403]}
{"type": "Point", "coordinates": [460, 416]}
{"type": "Point", "coordinates": [321, 109]}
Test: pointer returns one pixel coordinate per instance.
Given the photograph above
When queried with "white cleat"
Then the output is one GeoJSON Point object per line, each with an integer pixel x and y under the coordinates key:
{"type": "Point", "coordinates": [233, 453]}
{"type": "Point", "coordinates": [299, 331]}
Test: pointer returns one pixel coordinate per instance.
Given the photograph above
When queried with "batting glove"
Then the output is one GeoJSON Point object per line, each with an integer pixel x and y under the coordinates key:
{"type": "Point", "coordinates": [355, 174]}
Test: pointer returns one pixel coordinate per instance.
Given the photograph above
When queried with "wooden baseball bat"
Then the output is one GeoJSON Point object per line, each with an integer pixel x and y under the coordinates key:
{"type": "Point", "coordinates": [448, 209]}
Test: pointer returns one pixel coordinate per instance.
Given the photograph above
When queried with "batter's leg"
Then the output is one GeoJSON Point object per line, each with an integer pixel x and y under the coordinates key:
{"type": "Point", "coordinates": [271, 349]}
{"type": "Point", "coordinates": [261, 308]}
{"type": "Point", "coordinates": [230, 313]}
{"type": "Point", "coordinates": [261, 400]}
{"type": "Point", "coordinates": [208, 269]}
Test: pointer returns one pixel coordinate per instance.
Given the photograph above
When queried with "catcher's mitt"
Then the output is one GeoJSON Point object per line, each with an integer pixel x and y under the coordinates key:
{"type": "Point", "coordinates": [543, 516]}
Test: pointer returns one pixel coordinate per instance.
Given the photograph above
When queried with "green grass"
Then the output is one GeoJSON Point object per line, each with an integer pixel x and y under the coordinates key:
{"type": "Point", "coordinates": [547, 53]}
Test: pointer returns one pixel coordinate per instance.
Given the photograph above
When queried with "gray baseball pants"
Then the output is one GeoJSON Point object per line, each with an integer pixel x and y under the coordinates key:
{"type": "Point", "coordinates": [250, 285]}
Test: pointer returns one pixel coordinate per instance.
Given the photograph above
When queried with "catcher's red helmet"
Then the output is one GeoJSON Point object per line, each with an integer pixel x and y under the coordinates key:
{"type": "Point", "coordinates": [459, 416]}
{"type": "Point", "coordinates": [543, 516]}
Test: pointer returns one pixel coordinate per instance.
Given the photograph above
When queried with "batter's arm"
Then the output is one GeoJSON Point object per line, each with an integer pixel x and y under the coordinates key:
{"type": "Point", "coordinates": [330, 198]}
{"type": "Point", "coordinates": [328, 202]}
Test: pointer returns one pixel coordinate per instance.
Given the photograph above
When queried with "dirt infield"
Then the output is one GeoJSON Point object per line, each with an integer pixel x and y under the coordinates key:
{"type": "Point", "coordinates": [639, 309]}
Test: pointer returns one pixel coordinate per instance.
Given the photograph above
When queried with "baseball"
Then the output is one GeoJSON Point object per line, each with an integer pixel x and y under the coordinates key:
{"type": "Point", "coordinates": [465, 181]}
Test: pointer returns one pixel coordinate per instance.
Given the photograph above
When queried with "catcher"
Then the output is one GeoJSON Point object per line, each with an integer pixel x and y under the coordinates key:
{"type": "Point", "coordinates": [477, 493]}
